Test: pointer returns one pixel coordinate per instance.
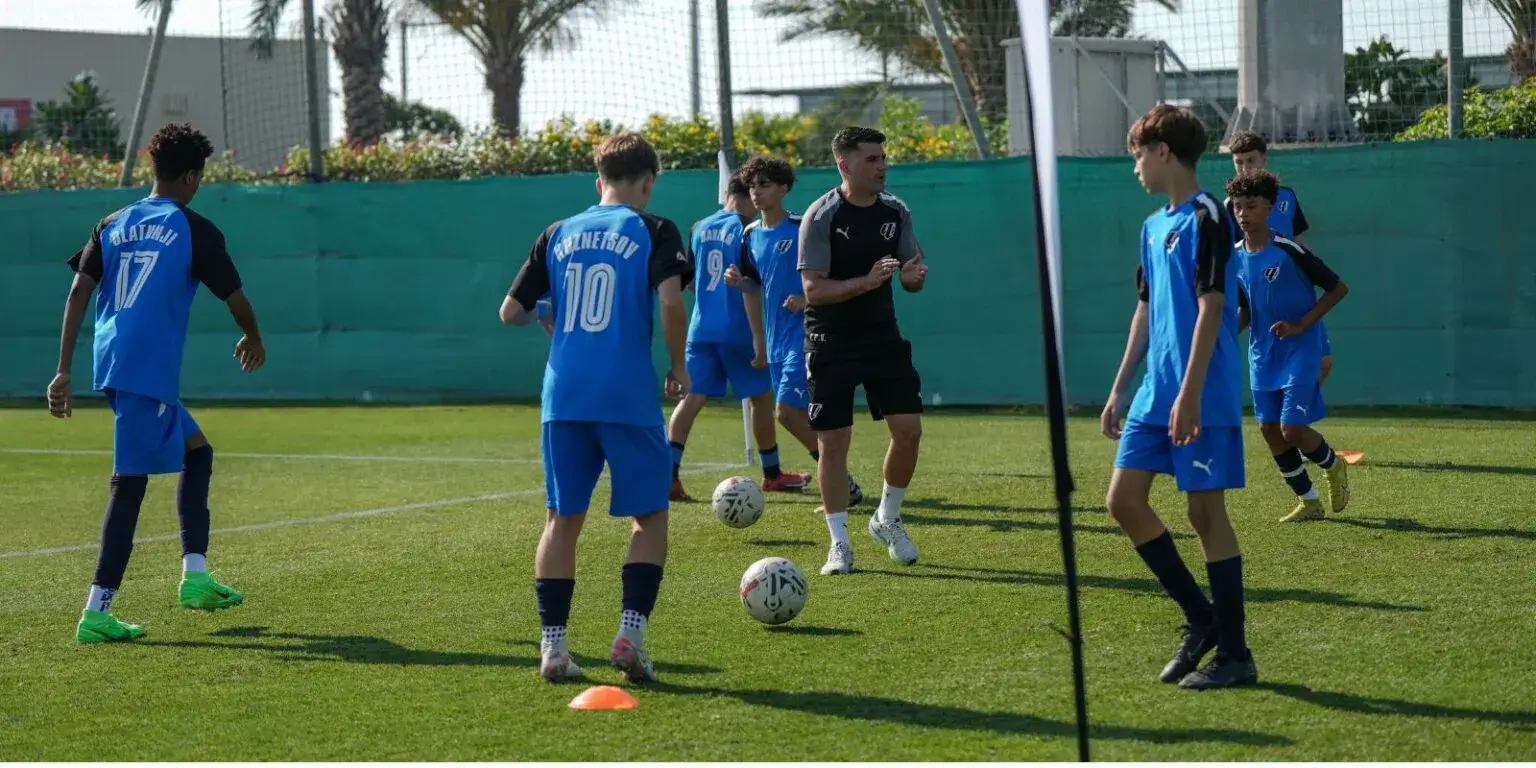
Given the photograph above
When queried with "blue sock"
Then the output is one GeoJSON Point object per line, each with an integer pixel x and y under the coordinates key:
{"type": "Point", "coordinates": [770, 459]}
{"type": "Point", "coordinates": [677, 457]}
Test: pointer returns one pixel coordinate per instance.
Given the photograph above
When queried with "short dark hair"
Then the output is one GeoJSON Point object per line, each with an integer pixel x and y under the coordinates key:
{"type": "Point", "coordinates": [848, 139]}
{"type": "Point", "coordinates": [177, 150]}
{"type": "Point", "coordinates": [1176, 127]}
{"type": "Point", "coordinates": [626, 157]}
{"type": "Point", "coordinates": [1248, 141]}
{"type": "Point", "coordinates": [737, 186]}
{"type": "Point", "coordinates": [1254, 184]}
{"type": "Point", "coordinates": [774, 170]}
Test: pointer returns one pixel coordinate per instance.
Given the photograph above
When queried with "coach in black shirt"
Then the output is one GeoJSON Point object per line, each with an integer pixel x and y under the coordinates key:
{"type": "Point", "coordinates": [852, 241]}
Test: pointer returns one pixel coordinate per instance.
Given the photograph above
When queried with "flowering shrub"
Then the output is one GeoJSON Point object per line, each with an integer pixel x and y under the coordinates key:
{"type": "Point", "coordinates": [562, 146]}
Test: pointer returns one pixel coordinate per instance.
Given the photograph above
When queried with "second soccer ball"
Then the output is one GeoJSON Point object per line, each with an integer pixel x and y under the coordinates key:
{"type": "Point", "coordinates": [738, 501]}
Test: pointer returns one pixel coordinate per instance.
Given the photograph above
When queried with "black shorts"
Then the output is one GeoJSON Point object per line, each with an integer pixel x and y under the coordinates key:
{"type": "Point", "coordinates": [891, 384]}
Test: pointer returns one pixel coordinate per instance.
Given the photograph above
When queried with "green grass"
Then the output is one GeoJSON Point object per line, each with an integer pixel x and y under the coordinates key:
{"type": "Point", "coordinates": [1401, 631]}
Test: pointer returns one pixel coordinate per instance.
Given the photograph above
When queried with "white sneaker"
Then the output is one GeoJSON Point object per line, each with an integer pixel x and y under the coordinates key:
{"type": "Point", "coordinates": [839, 560]}
{"type": "Point", "coordinates": [629, 656]}
{"type": "Point", "coordinates": [894, 536]}
{"type": "Point", "coordinates": [557, 666]}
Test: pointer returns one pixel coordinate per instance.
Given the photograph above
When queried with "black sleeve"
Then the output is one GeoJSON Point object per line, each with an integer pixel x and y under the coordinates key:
{"type": "Point", "coordinates": [669, 259]}
{"type": "Point", "coordinates": [1214, 242]}
{"type": "Point", "coordinates": [748, 267]}
{"type": "Point", "coordinates": [1141, 285]}
{"type": "Point", "coordinates": [211, 264]}
{"type": "Point", "coordinates": [87, 260]}
{"type": "Point", "coordinates": [1314, 268]}
{"type": "Point", "coordinates": [532, 281]}
{"type": "Point", "coordinates": [1299, 221]}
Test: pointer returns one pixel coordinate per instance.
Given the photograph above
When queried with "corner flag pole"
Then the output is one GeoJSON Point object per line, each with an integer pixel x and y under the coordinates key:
{"type": "Point", "coordinates": [724, 164]}
{"type": "Point", "coordinates": [1035, 29]}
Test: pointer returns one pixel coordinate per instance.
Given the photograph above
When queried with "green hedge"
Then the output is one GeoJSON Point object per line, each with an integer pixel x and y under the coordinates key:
{"type": "Point", "coordinates": [562, 146]}
{"type": "Point", "coordinates": [1506, 113]}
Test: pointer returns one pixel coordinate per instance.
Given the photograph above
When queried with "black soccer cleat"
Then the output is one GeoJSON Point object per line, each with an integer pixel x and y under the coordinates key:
{"type": "Point", "coordinates": [1222, 672]}
{"type": "Point", "coordinates": [1199, 639]}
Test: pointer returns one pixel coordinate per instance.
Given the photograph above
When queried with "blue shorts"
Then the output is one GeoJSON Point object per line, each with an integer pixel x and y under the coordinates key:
{"type": "Point", "coordinates": [1292, 405]}
{"type": "Point", "coordinates": [148, 437]}
{"type": "Point", "coordinates": [1327, 346]}
{"type": "Point", "coordinates": [639, 467]}
{"type": "Point", "coordinates": [711, 365]}
{"type": "Point", "coordinates": [789, 384]}
{"type": "Point", "coordinates": [1214, 462]}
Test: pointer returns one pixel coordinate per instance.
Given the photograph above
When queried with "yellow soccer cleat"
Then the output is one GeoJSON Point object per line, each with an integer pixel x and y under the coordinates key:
{"type": "Point", "coordinates": [1338, 484]}
{"type": "Point", "coordinates": [1308, 509]}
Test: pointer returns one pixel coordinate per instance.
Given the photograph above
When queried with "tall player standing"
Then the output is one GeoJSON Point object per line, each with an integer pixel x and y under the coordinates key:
{"type": "Point", "coordinates": [775, 298]}
{"type": "Point", "coordinates": [148, 260]}
{"type": "Point", "coordinates": [853, 240]}
{"type": "Point", "coordinates": [720, 348]}
{"type": "Point", "coordinates": [603, 269]}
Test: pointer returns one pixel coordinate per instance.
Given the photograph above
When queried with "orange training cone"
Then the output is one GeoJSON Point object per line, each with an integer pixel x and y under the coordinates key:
{"type": "Point", "coordinates": [1351, 457]}
{"type": "Point", "coordinates": [604, 698]}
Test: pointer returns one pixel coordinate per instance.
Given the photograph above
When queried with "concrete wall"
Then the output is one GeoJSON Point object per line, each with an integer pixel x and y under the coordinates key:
{"type": "Point", "coordinates": [255, 107]}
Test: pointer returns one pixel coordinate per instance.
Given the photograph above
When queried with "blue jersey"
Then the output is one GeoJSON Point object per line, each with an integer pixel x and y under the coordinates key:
{"type": "Point", "coordinates": [1285, 218]}
{"type": "Point", "coordinates": [601, 269]}
{"type": "Point", "coordinates": [1279, 284]}
{"type": "Point", "coordinates": [718, 314]}
{"type": "Point", "coordinates": [1186, 252]}
{"type": "Point", "coordinates": [770, 257]}
{"type": "Point", "coordinates": [148, 259]}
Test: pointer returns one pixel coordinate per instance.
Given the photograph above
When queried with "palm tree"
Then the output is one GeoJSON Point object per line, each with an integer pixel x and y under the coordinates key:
{"type": "Point", "coordinates": [360, 30]}
{"type": "Point", "coordinates": [504, 33]}
{"type": "Point", "coordinates": [1520, 17]}
{"type": "Point", "coordinates": [900, 29]}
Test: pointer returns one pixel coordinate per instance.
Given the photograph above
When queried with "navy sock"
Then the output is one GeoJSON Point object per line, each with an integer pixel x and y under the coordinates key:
{"type": "Point", "coordinates": [1322, 455]}
{"type": "Point", "coordinates": [1227, 594]}
{"type": "Point", "coordinates": [192, 500]}
{"type": "Point", "coordinates": [127, 496]}
{"type": "Point", "coordinates": [1294, 472]}
{"type": "Point", "coordinates": [770, 460]}
{"type": "Point", "coordinates": [554, 600]}
{"type": "Point", "coordinates": [816, 456]}
{"type": "Point", "coordinates": [1162, 557]}
{"type": "Point", "coordinates": [677, 457]}
{"type": "Point", "coordinates": [642, 582]}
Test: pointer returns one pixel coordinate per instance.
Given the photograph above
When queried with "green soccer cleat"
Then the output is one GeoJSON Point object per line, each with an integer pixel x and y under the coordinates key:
{"type": "Point", "coordinates": [200, 592]}
{"type": "Point", "coordinates": [101, 627]}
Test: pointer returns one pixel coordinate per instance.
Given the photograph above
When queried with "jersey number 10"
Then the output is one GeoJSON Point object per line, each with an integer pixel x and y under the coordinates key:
{"type": "Point", "coordinates": [129, 285]}
{"type": "Point", "coordinates": [589, 295]}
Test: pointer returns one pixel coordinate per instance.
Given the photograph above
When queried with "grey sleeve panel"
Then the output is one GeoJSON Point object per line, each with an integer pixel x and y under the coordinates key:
{"type": "Point", "coordinates": [907, 247]}
{"type": "Point", "coordinates": [816, 234]}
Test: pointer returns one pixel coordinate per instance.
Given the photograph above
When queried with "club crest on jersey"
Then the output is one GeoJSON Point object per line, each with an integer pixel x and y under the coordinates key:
{"type": "Point", "coordinates": [1270, 273]}
{"type": "Point", "coordinates": [782, 247]}
{"type": "Point", "coordinates": [1283, 206]}
{"type": "Point", "coordinates": [888, 230]}
{"type": "Point", "coordinates": [1171, 243]}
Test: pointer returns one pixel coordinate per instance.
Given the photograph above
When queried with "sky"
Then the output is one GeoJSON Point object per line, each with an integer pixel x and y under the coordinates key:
{"type": "Point", "coordinates": [636, 62]}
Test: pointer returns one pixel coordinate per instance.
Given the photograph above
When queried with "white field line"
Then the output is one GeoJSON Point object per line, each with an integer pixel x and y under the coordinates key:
{"type": "Point", "coordinates": [353, 515]}
{"type": "Point", "coordinates": [330, 457]}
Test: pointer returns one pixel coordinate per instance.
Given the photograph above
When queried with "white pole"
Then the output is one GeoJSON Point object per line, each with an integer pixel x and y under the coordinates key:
{"type": "Point", "coordinates": [746, 431]}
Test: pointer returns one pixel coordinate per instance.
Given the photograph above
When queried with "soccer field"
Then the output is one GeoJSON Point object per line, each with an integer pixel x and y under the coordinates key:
{"type": "Point", "coordinates": [386, 558]}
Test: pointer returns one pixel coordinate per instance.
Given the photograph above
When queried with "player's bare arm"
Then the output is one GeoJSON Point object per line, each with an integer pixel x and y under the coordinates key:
{"type": "Point", "coordinates": [1211, 264]}
{"type": "Point", "coordinates": [1113, 418]}
{"type": "Point", "coordinates": [821, 290]}
{"type": "Point", "coordinates": [531, 283]}
{"type": "Point", "coordinates": [674, 326]}
{"type": "Point", "coordinates": [251, 353]}
{"type": "Point", "coordinates": [914, 272]}
{"type": "Point", "coordinates": [1321, 276]}
{"type": "Point", "coordinates": [60, 394]}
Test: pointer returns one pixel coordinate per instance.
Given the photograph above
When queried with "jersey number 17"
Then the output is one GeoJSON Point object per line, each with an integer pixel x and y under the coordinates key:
{"type": "Point", "coordinates": [129, 286]}
{"type": "Point", "coordinates": [588, 296]}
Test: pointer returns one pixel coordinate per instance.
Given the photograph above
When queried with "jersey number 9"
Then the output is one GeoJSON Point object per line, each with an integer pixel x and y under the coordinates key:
{"type": "Point", "coordinates": [715, 261]}
{"type": "Point", "coordinates": [129, 286]}
{"type": "Point", "coordinates": [588, 294]}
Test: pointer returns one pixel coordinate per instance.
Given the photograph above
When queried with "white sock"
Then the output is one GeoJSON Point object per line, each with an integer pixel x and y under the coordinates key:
{"type": "Point", "coordinates": [194, 564]}
{"type": "Point", "coordinates": [632, 621]}
{"type": "Point", "coordinates": [554, 636]}
{"type": "Point", "coordinates": [100, 599]}
{"type": "Point", "coordinates": [890, 504]}
{"type": "Point", "coordinates": [837, 524]}
{"type": "Point", "coordinates": [1311, 494]}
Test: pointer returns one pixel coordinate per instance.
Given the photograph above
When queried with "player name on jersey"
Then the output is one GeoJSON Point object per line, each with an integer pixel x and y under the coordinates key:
{"type": "Point", "coordinates": [613, 242]}
{"type": "Point", "coordinates": [725, 235]}
{"type": "Point", "coordinates": [159, 233]}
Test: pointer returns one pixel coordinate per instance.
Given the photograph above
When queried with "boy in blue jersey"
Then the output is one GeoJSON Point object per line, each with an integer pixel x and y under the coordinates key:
{"type": "Point", "coordinates": [1186, 419]}
{"type": "Point", "coordinates": [769, 279]}
{"type": "Point", "coordinates": [603, 270]}
{"type": "Point", "coordinates": [149, 259]}
{"type": "Point", "coordinates": [720, 347]}
{"type": "Point", "coordinates": [1279, 279]}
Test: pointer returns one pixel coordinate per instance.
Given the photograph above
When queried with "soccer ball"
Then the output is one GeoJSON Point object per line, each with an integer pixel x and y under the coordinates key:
{"type": "Point", "coordinates": [738, 501]}
{"type": "Point", "coordinates": [773, 590]}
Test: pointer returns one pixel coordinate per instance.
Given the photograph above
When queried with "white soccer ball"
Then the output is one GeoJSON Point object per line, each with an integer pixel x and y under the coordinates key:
{"type": "Point", "coordinates": [738, 501]}
{"type": "Point", "coordinates": [773, 590]}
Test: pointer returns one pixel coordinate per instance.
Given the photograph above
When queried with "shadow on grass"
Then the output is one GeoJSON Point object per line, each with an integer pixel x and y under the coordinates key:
{"type": "Point", "coordinates": [814, 631]}
{"type": "Point", "coordinates": [1469, 469]}
{"type": "Point", "coordinates": [1143, 586]}
{"type": "Point", "coordinates": [1370, 705]}
{"type": "Point", "coordinates": [1009, 525]}
{"type": "Point", "coordinates": [781, 542]}
{"type": "Point", "coordinates": [1409, 525]}
{"type": "Point", "coordinates": [363, 649]}
{"type": "Point", "coordinates": [896, 711]}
